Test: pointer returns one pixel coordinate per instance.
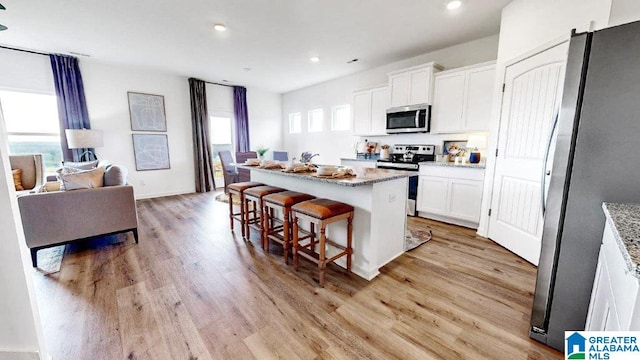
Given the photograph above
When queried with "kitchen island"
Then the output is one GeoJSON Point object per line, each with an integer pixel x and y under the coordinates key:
{"type": "Point", "coordinates": [379, 197]}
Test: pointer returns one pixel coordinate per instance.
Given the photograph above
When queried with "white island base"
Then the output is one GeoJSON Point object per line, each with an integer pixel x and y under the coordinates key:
{"type": "Point", "coordinates": [379, 222]}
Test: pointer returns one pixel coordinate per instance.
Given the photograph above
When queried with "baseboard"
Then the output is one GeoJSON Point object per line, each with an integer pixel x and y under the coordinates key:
{"type": "Point", "coordinates": [464, 223]}
{"type": "Point", "coordinates": [163, 194]}
{"type": "Point", "coordinates": [22, 355]}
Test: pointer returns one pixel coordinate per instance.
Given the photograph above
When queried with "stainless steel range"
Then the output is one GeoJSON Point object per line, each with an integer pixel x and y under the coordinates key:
{"type": "Point", "coordinates": [409, 157]}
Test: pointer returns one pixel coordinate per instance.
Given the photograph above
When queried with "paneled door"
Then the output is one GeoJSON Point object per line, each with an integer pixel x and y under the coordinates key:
{"type": "Point", "coordinates": [531, 98]}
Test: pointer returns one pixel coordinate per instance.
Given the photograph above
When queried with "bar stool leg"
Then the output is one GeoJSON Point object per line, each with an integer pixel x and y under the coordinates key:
{"type": "Point", "coordinates": [322, 264]}
{"type": "Point", "coordinates": [349, 241]}
{"type": "Point", "coordinates": [312, 232]}
{"type": "Point", "coordinates": [244, 214]}
{"type": "Point", "coordinates": [295, 242]}
{"type": "Point", "coordinates": [231, 210]}
{"type": "Point", "coordinates": [264, 234]}
{"type": "Point", "coordinates": [285, 234]}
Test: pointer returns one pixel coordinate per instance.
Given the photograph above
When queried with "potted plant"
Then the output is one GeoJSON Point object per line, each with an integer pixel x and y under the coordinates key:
{"type": "Point", "coordinates": [261, 150]}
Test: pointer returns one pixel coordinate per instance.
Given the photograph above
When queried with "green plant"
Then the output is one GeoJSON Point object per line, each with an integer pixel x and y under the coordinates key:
{"type": "Point", "coordinates": [261, 150]}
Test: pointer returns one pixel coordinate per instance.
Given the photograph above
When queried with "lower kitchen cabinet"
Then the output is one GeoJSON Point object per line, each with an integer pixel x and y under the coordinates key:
{"type": "Point", "coordinates": [615, 304]}
{"type": "Point", "coordinates": [450, 194]}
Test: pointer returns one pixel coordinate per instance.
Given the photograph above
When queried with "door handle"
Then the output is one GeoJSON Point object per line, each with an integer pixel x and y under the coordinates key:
{"type": "Point", "coordinates": [545, 171]}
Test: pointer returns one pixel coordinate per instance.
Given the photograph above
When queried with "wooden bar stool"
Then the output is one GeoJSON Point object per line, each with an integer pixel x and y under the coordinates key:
{"type": "Point", "coordinates": [254, 218]}
{"type": "Point", "coordinates": [321, 212]}
{"type": "Point", "coordinates": [282, 202]}
{"type": "Point", "coordinates": [238, 190]}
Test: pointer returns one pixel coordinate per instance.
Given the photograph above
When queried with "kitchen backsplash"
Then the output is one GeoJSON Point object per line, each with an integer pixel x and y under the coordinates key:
{"type": "Point", "coordinates": [419, 138]}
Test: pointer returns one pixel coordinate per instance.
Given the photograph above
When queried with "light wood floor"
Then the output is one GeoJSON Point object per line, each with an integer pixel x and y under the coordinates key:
{"type": "Point", "coordinates": [192, 290]}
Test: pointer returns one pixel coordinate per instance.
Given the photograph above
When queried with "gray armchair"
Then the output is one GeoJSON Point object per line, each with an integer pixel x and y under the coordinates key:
{"type": "Point", "coordinates": [32, 169]}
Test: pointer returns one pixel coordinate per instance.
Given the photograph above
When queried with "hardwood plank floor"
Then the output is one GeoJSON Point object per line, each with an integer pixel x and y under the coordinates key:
{"type": "Point", "coordinates": [193, 290]}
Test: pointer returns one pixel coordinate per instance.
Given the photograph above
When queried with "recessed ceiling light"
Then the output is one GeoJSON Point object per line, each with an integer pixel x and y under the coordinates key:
{"type": "Point", "coordinates": [452, 5]}
{"type": "Point", "coordinates": [220, 27]}
{"type": "Point", "coordinates": [247, 69]}
{"type": "Point", "coordinates": [314, 59]}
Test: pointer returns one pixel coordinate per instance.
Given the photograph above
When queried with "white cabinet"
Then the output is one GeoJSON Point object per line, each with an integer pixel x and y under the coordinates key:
{"type": "Point", "coordinates": [369, 111]}
{"type": "Point", "coordinates": [413, 85]}
{"type": "Point", "coordinates": [463, 99]}
{"type": "Point", "coordinates": [450, 194]}
{"type": "Point", "coordinates": [615, 304]}
{"type": "Point", "coordinates": [358, 163]}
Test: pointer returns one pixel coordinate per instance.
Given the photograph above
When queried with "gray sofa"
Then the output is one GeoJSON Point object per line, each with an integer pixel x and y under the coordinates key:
{"type": "Point", "coordinates": [32, 170]}
{"type": "Point", "coordinates": [56, 218]}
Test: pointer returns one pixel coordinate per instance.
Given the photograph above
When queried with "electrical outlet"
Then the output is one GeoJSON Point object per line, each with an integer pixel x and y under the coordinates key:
{"type": "Point", "coordinates": [143, 183]}
{"type": "Point", "coordinates": [392, 198]}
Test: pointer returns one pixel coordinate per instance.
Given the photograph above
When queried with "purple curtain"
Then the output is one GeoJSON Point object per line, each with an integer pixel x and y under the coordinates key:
{"type": "Point", "coordinates": [72, 105]}
{"type": "Point", "coordinates": [242, 118]}
{"type": "Point", "coordinates": [203, 160]}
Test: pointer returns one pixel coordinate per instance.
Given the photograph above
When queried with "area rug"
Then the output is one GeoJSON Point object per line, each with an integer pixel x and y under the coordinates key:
{"type": "Point", "coordinates": [222, 197]}
{"type": "Point", "coordinates": [415, 238]}
{"type": "Point", "coordinates": [50, 259]}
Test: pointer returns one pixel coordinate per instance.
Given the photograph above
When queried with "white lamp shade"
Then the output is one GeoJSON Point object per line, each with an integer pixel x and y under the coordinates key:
{"type": "Point", "coordinates": [477, 142]}
{"type": "Point", "coordinates": [83, 138]}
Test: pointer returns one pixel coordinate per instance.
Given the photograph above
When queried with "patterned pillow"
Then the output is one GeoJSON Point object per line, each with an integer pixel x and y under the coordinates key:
{"type": "Point", "coordinates": [83, 179]}
{"type": "Point", "coordinates": [17, 179]}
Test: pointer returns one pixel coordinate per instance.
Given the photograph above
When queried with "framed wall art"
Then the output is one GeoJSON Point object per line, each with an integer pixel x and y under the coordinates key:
{"type": "Point", "coordinates": [151, 151]}
{"type": "Point", "coordinates": [147, 112]}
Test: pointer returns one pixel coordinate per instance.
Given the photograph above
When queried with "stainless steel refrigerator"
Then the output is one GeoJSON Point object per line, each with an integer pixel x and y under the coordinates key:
{"type": "Point", "coordinates": [596, 159]}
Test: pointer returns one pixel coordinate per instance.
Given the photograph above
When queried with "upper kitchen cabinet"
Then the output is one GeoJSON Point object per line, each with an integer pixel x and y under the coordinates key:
{"type": "Point", "coordinates": [413, 85]}
{"type": "Point", "coordinates": [369, 111]}
{"type": "Point", "coordinates": [463, 99]}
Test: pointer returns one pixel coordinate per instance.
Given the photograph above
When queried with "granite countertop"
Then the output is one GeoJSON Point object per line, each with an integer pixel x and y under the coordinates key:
{"type": "Point", "coordinates": [451, 164]}
{"type": "Point", "coordinates": [625, 222]}
{"type": "Point", "coordinates": [364, 175]}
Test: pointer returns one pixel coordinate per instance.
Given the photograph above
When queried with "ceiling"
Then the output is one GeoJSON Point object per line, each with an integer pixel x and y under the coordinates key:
{"type": "Point", "coordinates": [274, 38]}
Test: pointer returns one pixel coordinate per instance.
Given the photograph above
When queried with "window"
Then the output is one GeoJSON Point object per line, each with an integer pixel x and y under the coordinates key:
{"type": "Point", "coordinates": [316, 118]}
{"type": "Point", "coordinates": [32, 126]}
{"type": "Point", "coordinates": [295, 123]}
{"type": "Point", "coordinates": [221, 137]}
{"type": "Point", "coordinates": [341, 119]}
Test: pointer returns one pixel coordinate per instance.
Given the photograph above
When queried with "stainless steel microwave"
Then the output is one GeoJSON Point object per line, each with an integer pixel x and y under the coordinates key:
{"type": "Point", "coordinates": [409, 119]}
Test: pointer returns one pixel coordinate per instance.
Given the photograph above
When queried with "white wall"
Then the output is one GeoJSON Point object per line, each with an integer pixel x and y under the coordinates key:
{"type": "Point", "coordinates": [624, 11]}
{"type": "Point", "coordinates": [334, 145]}
{"type": "Point", "coordinates": [265, 119]}
{"type": "Point", "coordinates": [106, 89]}
{"type": "Point", "coordinates": [20, 329]}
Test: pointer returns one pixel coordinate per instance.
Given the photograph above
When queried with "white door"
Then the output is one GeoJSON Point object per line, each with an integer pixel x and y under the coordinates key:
{"type": "Point", "coordinates": [420, 86]}
{"type": "Point", "coordinates": [530, 100]}
{"type": "Point", "coordinates": [399, 88]}
{"type": "Point", "coordinates": [464, 198]}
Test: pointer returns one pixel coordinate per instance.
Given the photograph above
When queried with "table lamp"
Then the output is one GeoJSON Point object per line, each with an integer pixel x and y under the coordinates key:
{"type": "Point", "coordinates": [475, 142]}
{"type": "Point", "coordinates": [84, 139]}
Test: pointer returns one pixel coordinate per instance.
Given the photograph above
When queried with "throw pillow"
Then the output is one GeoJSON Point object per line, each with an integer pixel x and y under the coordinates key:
{"type": "Point", "coordinates": [115, 175]}
{"type": "Point", "coordinates": [17, 179]}
{"type": "Point", "coordinates": [84, 179]}
{"type": "Point", "coordinates": [82, 165]}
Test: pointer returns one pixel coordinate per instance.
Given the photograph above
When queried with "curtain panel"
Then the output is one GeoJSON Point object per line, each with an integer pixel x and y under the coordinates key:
{"type": "Point", "coordinates": [242, 118]}
{"type": "Point", "coordinates": [203, 159]}
{"type": "Point", "coordinates": [72, 105]}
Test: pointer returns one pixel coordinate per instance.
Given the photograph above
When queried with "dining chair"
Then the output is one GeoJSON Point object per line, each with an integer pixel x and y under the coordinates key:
{"type": "Point", "coordinates": [280, 155]}
{"type": "Point", "coordinates": [243, 174]}
{"type": "Point", "coordinates": [229, 172]}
